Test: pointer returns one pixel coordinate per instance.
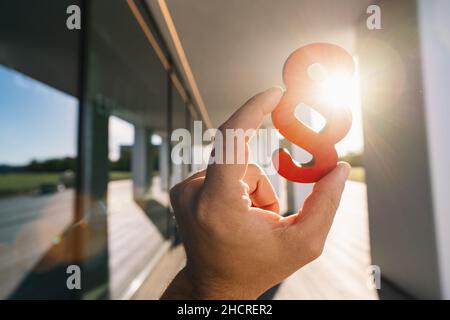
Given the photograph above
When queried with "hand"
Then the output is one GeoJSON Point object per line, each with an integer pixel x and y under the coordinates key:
{"type": "Point", "coordinates": [237, 243]}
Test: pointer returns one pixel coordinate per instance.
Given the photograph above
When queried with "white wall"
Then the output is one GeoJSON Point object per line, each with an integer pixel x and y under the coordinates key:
{"type": "Point", "coordinates": [434, 28]}
{"type": "Point", "coordinates": [401, 201]}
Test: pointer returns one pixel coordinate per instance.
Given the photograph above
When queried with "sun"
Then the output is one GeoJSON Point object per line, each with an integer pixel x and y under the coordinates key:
{"type": "Point", "coordinates": [339, 91]}
{"type": "Point", "coordinates": [336, 90]}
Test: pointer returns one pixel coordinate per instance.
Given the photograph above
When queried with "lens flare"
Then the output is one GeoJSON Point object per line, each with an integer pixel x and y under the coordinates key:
{"type": "Point", "coordinates": [338, 91]}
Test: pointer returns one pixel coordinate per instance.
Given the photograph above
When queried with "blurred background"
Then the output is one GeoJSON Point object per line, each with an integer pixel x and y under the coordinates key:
{"type": "Point", "coordinates": [86, 118]}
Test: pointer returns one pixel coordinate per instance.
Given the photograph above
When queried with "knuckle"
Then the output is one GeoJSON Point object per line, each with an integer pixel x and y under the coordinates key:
{"type": "Point", "coordinates": [253, 167]}
{"type": "Point", "coordinates": [174, 194]}
{"type": "Point", "coordinates": [201, 209]}
{"type": "Point", "coordinates": [223, 126]}
{"type": "Point", "coordinates": [315, 249]}
{"type": "Point", "coordinates": [202, 220]}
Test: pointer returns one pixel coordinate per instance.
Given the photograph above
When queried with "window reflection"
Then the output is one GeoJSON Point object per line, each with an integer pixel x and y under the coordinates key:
{"type": "Point", "coordinates": [37, 163]}
{"type": "Point", "coordinates": [111, 217]}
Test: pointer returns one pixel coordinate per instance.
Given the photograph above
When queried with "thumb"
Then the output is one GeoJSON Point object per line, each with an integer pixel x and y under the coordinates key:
{"type": "Point", "coordinates": [315, 219]}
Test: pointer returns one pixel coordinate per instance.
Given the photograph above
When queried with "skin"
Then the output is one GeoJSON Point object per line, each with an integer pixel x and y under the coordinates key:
{"type": "Point", "coordinates": [237, 243]}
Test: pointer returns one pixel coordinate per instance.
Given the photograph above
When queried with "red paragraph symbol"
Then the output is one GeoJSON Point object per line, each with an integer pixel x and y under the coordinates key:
{"type": "Point", "coordinates": [301, 88]}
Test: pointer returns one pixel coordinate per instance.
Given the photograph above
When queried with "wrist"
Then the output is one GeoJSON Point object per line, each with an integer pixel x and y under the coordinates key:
{"type": "Point", "coordinates": [191, 287]}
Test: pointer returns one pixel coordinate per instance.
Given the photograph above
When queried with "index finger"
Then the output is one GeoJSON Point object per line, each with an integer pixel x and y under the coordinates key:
{"type": "Point", "coordinates": [252, 113]}
{"type": "Point", "coordinates": [248, 117]}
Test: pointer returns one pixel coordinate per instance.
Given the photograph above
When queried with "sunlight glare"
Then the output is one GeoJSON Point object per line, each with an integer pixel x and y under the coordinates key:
{"type": "Point", "coordinates": [338, 91]}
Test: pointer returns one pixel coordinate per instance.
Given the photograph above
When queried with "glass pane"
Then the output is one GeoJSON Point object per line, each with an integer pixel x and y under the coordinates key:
{"type": "Point", "coordinates": [38, 147]}
{"type": "Point", "coordinates": [36, 176]}
{"type": "Point", "coordinates": [128, 81]}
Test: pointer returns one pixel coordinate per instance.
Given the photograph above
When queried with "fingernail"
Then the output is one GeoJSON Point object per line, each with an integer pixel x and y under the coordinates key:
{"type": "Point", "coordinates": [279, 88]}
{"type": "Point", "coordinates": [345, 169]}
{"type": "Point", "coordinates": [276, 92]}
{"type": "Point", "coordinates": [272, 97]}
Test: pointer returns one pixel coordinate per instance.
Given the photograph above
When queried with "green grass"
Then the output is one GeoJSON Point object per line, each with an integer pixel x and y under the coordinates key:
{"type": "Point", "coordinates": [11, 183]}
{"type": "Point", "coordinates": [119, 175]}
{"type": "Point", "coordinates": [357, 174]}
{"type": "Point", "coordinates": [14, 183]}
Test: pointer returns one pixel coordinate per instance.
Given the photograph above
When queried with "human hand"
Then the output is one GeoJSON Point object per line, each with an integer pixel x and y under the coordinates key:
{"type": "Point", "coordinates": [237, 243]}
